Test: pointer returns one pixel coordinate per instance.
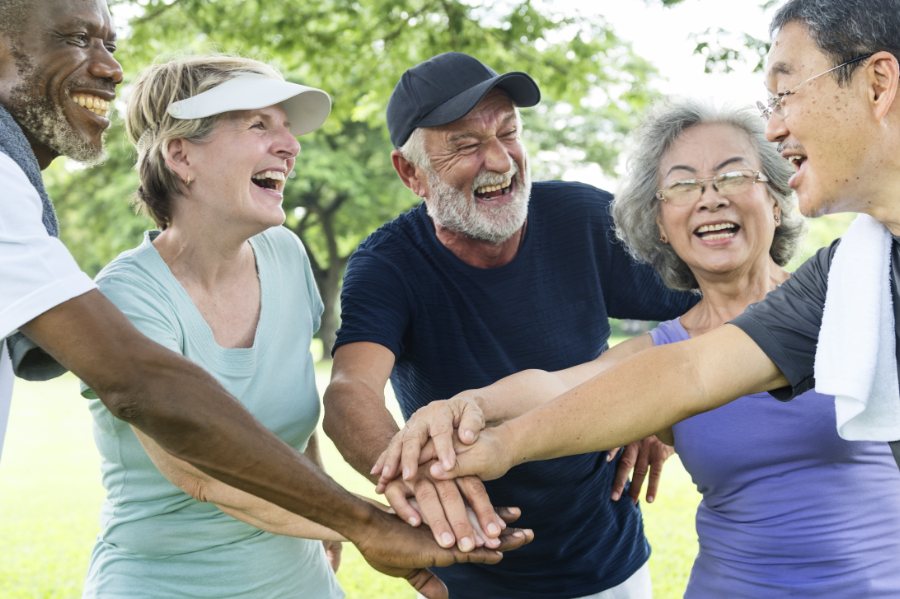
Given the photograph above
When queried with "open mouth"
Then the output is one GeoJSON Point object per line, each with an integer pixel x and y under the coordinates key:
{"type": "Point", "coordinates": [273, 180]}
{"type": "Point", "coordinates": [489, 192]}
{"type": "Point", "coordinates": [717, 231]}
{"type": "Point", "coordinates": [93, 103]}
{"type": "Point", "coordinates": [796, 161]}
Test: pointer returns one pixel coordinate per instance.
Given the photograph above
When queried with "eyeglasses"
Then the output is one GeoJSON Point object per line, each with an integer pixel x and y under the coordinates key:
{"type": "Point", "coordinates": [773, 104]}
{"type": "Point", "coordinates": [688, 191]}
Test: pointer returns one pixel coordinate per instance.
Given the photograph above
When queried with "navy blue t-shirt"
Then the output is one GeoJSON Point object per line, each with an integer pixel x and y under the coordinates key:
{"type": "Point", "coordinates": [453, 327]}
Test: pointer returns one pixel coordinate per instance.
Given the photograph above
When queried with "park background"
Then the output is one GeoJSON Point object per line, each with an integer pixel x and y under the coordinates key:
{"type": "Point", "coordinates": [600, 65]}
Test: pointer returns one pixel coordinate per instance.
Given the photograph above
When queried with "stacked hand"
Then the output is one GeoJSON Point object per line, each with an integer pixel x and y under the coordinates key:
{"type": "Point", "coordinates": [450, 437]}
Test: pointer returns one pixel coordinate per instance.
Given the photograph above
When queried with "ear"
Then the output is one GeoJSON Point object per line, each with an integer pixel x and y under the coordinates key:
{"type": "Point", "coordinates": [662, 231]}
{"type": "Point", "coordinates": [177, 154]}
{"type": "Point", "coordinates": [410, 174]}
{"type": "Point", "coordinates": [883, 78]}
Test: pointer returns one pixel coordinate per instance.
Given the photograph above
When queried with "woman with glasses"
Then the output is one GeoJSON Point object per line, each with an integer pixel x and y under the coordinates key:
{"type": "Point", "coordinates": [706, 201]}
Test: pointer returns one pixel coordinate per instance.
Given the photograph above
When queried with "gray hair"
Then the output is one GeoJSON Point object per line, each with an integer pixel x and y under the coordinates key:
{"type": "Point", "coordinates": [845, 29]}
{"type": "Point", "coordinates": [150, 128]}
{"type": "Point", "coordinates": [636, 208]}
{"type": "Point", "coordinates": [414, 149]}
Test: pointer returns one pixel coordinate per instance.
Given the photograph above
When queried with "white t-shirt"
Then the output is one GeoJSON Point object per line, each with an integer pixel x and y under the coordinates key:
{"type": "Point", "coordinates": [36, 270]}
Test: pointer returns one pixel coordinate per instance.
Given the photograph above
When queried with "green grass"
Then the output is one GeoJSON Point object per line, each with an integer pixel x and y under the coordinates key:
{"type": "Point", "coordinates": [50, 495]}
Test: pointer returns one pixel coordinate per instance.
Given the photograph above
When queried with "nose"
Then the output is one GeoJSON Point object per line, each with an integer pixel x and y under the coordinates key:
{"type": "Point", "coordinates": [496, 157]}
{"type": "Point", "coordinates": [776, 130]}
{"type": "Point", "coordinates": [103, 64]}
{"type": "Point", "coordinates": [711, 199]}
{"type": "Point", "coordinates": [286, 145]}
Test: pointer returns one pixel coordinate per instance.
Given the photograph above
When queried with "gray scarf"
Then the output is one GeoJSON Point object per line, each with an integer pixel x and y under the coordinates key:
{"type": "Point", "coordinates": [14, 145]}
{"type": "Point", "coordinates": [34, 365]}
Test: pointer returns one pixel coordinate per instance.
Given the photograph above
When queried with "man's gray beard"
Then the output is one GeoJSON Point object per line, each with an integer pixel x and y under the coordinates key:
{"type": "Point", "coordinates": [45, 120]}
{"type": "Point", "coordinates": [450, 208]}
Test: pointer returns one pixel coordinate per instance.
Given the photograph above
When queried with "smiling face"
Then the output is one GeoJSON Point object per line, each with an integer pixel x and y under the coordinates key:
{"type": "Point", "coordinates": [477, 181]}
{"type": "Point", "coordinates": [238, 172]}
{"type": "Point", "coordinates": [822, 128]}
{"type": "Point", "coordinates": [61, 77]}
{"type": "Point", "coordinates": [716, 235]}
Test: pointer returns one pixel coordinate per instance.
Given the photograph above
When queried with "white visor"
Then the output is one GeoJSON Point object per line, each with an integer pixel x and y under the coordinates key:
{"type": "Point", "coordinates": [306, 107]}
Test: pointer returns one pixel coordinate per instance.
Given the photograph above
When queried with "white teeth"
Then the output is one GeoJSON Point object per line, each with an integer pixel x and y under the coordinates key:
{"type": "Point", "coordinates": [93, 103]}
{"type": "Point", "coordinates": [718, 236]}
{"type": "Point", "coordinates": [491, 188]}
{"type": "Point", "coordinates": [274, 175]}
{"type": "Point", "coordinates": [716, 227]}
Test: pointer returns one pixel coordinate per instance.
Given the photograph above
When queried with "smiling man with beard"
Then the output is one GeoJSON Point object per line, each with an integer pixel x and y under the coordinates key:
{"type": "Point", "coordinates": [57, 79]}
{"type": "Point", "coordinates": [489, 275]}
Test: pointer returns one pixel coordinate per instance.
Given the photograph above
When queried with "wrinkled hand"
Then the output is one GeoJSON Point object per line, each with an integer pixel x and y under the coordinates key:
{"type": "Point", "coordinates": [333, 551]}
{"type": "Point", "coordinates": [395, 549]}
{"type": "Point", "coordinates": [436, 422]}
{"type": "Point", "coordinates": [445, 506]}
{"type": "Point", "coordinates": [641, 457]}
{"type": "Point", "coordinates": [488, 458]}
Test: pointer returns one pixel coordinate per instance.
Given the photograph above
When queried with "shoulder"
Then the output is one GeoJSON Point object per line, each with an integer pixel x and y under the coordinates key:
{"type": "Point", "coordinates": [570, 191]}
{"type": "Point", "coordinates": [279, 241]}
{"type": "Point", "coordinates": [136, 269]}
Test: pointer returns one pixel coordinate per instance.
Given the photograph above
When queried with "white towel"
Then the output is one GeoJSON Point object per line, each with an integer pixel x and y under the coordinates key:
{"type": "Point", "coordinates": [855, 359]}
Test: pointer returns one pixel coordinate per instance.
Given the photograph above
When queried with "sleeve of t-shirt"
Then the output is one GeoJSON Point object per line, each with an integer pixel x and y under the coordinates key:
{"type": "Point", "coordinates": [139, 300]}
{"type": "Point", "coordinates": [374, 305]}
{"type": "Point", "coordinates": [632, 289]}
{"type": "Point", "coordinates": [36, 270]}
{"type": "Point", "coordinates": [785, 325]}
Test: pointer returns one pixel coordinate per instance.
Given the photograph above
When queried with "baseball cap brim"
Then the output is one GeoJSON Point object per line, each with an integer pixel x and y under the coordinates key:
{"type": "Point", "coordinates": [306, 107]}
{"type": "Point", "coordinates": [520, 87]}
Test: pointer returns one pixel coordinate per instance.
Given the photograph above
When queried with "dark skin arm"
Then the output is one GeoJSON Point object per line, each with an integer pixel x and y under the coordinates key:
{"type": "Point", "coordinates": [188, 413]}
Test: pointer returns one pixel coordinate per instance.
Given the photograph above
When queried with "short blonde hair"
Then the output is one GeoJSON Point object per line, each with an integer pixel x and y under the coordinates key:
{"type": "Point", "coordinates": [150, 128]}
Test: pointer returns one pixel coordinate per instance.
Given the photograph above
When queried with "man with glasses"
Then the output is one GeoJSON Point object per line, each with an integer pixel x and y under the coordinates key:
{"type": "Point", "coordinates": [834, 75]}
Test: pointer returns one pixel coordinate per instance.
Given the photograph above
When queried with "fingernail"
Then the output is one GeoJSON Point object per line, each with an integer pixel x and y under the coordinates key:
{"type": "Point", "coordinates": [616, 495]}
{"type": "Point", "coordinates": [413, 522]}
{"type": "Point", "coordinates": [446, 539]}
{"type": "Point", "coordinates": [650, 498]}
{"type": "Point", "coordinates": [493, 529]}
{"type": "Point", "coordinates": [466, 544]}
{"type": "Point", "coordinates": [375, 469]}
{"type": "Point", "coordinates": [609, 457]}
{"type": "Point", "coordinates": [447, 464]}
{"type": "Point", "coordinates": [468, 435]}
{"type": "Point", "coordinates": [405, 472]}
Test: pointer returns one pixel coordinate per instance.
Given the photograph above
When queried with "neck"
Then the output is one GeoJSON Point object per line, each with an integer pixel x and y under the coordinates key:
{"type": "Point", "coordinates": [478, 253]}
{"type": "Point", "coordinates": [203, 259]}
{"type": "Point", "coordinates": [42, 152]}
{"type": "Point", "coordinates": [726, 296]}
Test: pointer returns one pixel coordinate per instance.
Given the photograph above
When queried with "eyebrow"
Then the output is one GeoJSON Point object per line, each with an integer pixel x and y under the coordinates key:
{"type": "Point", "coordinates": [92, 26]}
{"type": "Point", "coordinates": [474, 135]}
{"type": "Point", "coordinates": [718, 167]}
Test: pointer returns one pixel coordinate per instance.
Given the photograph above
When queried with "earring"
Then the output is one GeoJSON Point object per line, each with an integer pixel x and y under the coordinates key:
{"type": "Point", "coordinates": [777, 219]}
{"type": "Point", "coordinates": [187, 181]}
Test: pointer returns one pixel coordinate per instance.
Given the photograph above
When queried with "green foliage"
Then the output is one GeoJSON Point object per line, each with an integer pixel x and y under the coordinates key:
{"type": "Point", "coordinates": [594, 89]}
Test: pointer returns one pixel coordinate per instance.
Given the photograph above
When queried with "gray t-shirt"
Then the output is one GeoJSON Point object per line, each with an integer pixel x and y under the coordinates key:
{"type": "Point", "coordinates": [785, 325]}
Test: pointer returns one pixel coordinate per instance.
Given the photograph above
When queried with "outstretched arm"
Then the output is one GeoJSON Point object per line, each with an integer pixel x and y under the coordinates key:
{"type": "Point", "coordinates": [463, 416]}
{"type": "Point", "coordinates": [189, 414]}
{"type": "Point", "coordinates": [644, 393]}
{"type": "Point", "coordinates": [234, 502]}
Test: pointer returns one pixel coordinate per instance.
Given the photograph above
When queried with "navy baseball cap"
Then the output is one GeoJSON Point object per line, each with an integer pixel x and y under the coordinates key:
{"type": "Point", "coordinates": [445, 88]}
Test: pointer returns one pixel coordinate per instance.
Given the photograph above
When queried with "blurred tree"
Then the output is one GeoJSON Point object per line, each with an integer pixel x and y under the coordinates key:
{"type": "Point", "coordinates": [594, 90]}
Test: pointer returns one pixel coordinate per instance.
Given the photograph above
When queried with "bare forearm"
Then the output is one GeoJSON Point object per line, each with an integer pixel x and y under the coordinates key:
{"type": "Point", "coordinates": [187, 412]}
{"type": "Point", "coordinates": [518, 393]}
{"type": "Point", "coordinates": [358, 423]}
{"type": "Point", "coordinates": [643, 394]}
